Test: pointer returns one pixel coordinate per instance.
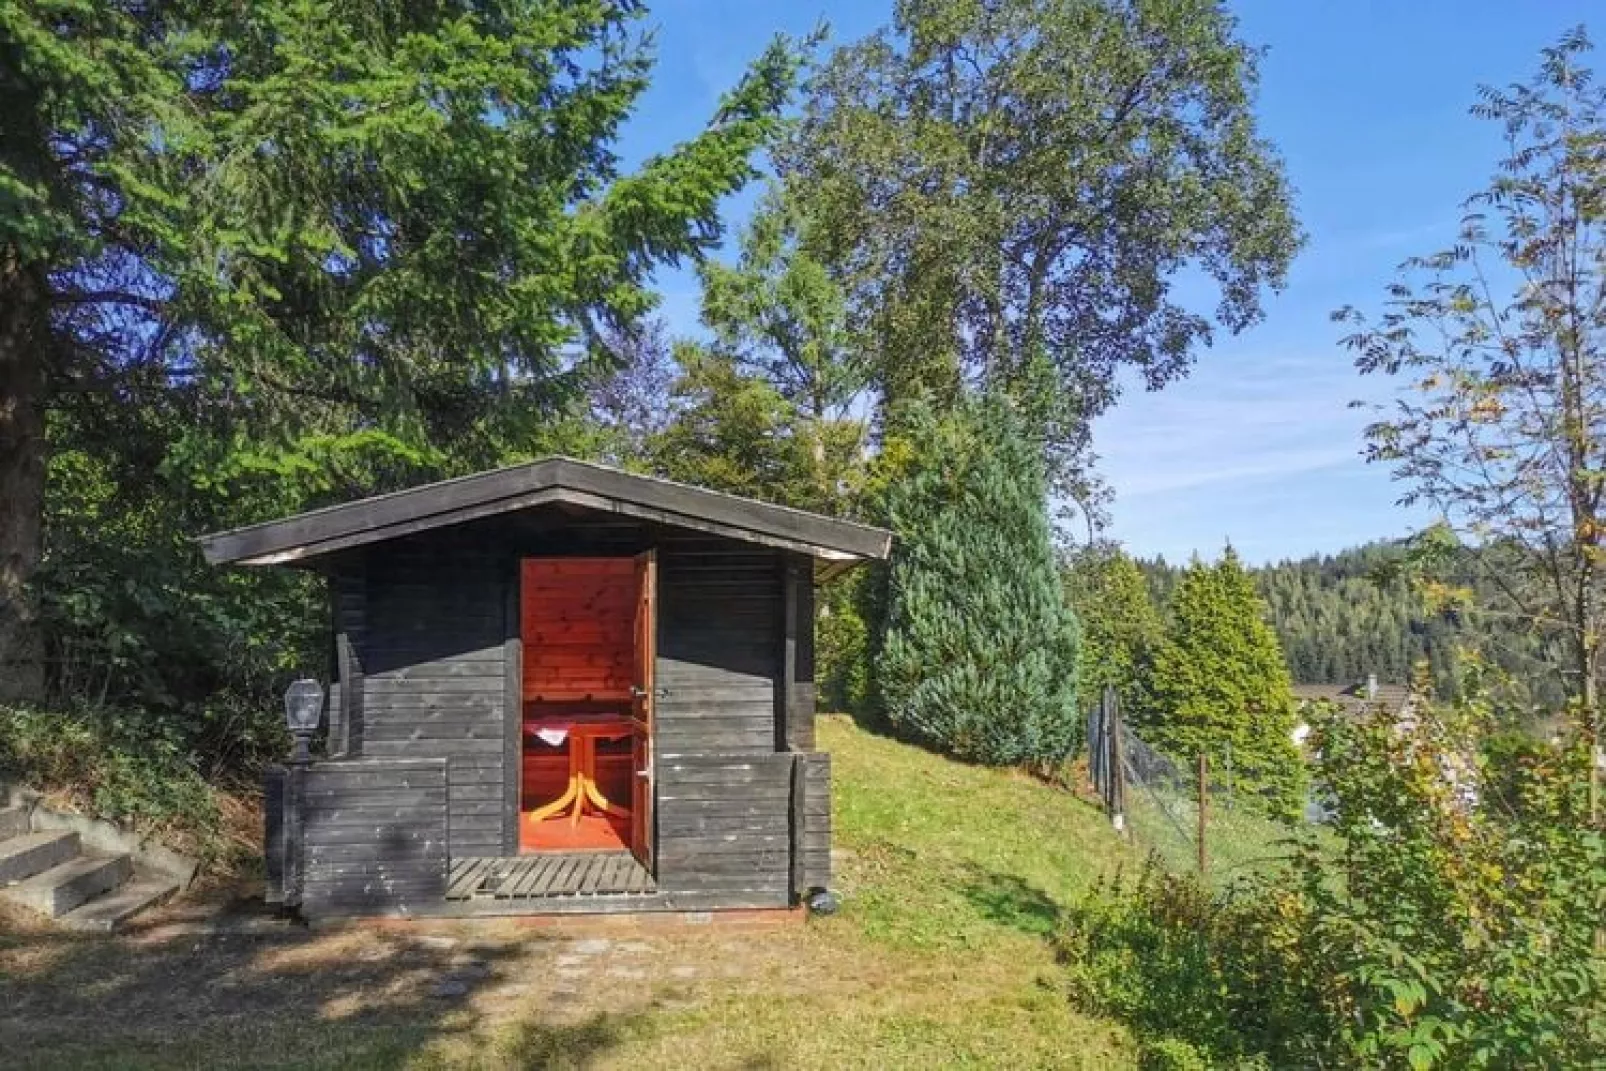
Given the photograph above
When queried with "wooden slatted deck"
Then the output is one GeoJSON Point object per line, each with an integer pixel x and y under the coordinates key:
{"type": "Point", "coordinates": [549, 875]}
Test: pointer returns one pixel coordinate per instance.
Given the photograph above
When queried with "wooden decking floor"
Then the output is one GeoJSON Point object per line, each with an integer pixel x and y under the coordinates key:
{"type": "Point", "coordinates": [548, 874]}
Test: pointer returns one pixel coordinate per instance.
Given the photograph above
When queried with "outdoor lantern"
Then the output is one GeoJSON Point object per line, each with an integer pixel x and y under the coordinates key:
{"type": "Point", "coordinates": [303, 706]}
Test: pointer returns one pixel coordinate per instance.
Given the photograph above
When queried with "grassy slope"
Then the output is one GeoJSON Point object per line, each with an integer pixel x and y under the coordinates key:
{"type": "Point", "coordinates": [952, 877]}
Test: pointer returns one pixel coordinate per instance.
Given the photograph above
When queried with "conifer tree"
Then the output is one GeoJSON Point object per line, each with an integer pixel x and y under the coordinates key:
{"type": "Point", "coordinates": [1220, 683]}
{"type": "Point", "coordinates": [1121, 627]}
{"type": "Point", "coordinates": [979, 653]}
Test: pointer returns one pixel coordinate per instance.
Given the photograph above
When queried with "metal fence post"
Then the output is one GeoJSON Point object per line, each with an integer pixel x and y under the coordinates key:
{"type": "Point", "coordinates": [1231, 784]}
{"type": "Point", "coordinates": [1117, 764]}
{"type": "Point", "coordinates": [1204, 800]}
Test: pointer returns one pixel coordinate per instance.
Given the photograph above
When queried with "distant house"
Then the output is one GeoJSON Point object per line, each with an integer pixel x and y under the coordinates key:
{"type": "Point", "coordinates": [1459, 770]}
{"type": "Point", "coordinates": [1352, 699]}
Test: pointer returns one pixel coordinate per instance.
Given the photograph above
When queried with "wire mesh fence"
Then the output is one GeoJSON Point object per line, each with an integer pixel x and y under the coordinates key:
{"type": "Point", "coordinates": [1187, 811]}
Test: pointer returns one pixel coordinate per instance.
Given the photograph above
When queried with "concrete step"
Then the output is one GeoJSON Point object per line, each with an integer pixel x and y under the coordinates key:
{"type": "Point", "coordinates": [110, 910]}
{"type": "Point", "coordinates": [61, 888]}
{"type": "Point", "coordinates": [13, 822]}
{"type": "Point", "coordinates": [24, 856]}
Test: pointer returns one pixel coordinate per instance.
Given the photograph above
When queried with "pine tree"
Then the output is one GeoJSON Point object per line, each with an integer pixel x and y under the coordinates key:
{"type": "Point", "coordinates": [1121, 628]}
{"type": "Point", "coordinates": [1220, 683]}
{"type": "Point", "coordinates": [979, 653]}
{"type": "Point", "coordinates": [300, 252]}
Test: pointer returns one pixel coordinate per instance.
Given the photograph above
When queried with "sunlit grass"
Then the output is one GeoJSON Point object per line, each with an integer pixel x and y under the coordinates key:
{"type": "Point", "coordinates": [952, 879]}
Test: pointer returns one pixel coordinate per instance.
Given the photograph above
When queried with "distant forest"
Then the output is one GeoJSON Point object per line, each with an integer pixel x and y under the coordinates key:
{"type": "Point", "coordinates": [1342, 616]}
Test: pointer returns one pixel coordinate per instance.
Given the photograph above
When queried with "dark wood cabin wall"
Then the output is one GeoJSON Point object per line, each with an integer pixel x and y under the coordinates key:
{"type": "Point", "coordinates": [719, 647]}
{"type": "Point", "coordinates": [812, 822]}
{"type": "Point", "coordinates": [374, 835]}
{"type": "Point", "coordinates": [274, 782]}
{"type": "Point", "coordinates": [433, 660]}
{"type": "Point", "coordinates": [794, 700]}
{"type": "Point", "coordinates": [724, 828]}
{"type": "Point", "coordinates": [348, 596]}
{"type": "Point", "coordinates": [740, 820]}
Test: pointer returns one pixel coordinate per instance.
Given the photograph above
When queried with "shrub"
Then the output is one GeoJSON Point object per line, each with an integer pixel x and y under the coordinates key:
{"type": "Point", "coordinates": [1203, 979]}
{"type": "Point", "coordinates": [1219, 681]}
{"type": "Point", "coordinates": [840, 639]}
{"type": "Point", "coordinates": [113, 765]}
{"type": "Point", "coordinates": [978, 656]}
{"type": "Point", "coordinates": [1449, 929]}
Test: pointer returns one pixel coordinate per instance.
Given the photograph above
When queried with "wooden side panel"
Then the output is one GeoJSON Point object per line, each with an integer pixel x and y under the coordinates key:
{"type": "Point", "coordinates": [434, 684]}
{"type": "Point", "coordinates": [375, 835]}
{"type": "Point", "coordinates": [348, 596]}
{"type": "Point", "coordinates": [643, 686]}
{"type": "Point", "coordinates": [719, 647]}
{"type": "Point", "coordinates": [512, 708]}
{"type": "Point", "coordinates": [813, 821]}
{"type": "Point", "coordinates": [795, 696]}
{"type": "Point", "coordinates": [273, 794]}
{"type": "Point", "coordinates": [724, 828]}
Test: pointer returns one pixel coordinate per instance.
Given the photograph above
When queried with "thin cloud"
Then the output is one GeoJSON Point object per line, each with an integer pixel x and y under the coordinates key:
{"type": "Point", "coordinates": [1223, 471]}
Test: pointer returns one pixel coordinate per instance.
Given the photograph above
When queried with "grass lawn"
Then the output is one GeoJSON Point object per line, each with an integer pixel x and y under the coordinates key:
{"type": "Point", "coordinates": [952, 879]}
{"type": "Point", "coordinates": [1240, 842]}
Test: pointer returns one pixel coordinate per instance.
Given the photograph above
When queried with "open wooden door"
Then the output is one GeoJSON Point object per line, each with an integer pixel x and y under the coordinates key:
{"type": "Point", "coordinates": [642, 696]}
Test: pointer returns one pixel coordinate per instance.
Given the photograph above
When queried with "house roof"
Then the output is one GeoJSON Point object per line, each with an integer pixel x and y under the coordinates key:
{"type": "Point", "coordinates": [554, 480]}
{"type": "Point", "coordinates": [1354, 696]}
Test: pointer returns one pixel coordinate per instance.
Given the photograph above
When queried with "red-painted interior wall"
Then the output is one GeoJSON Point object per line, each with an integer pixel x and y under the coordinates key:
{"type": "Point", "coordinates": [577, 618]}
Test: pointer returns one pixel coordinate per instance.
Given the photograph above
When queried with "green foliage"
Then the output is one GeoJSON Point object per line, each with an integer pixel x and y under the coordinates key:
{"type": "Point", "coordinates": [114, 765]}
{"type": "Point", "coordinates": [1219, 682]}
{"type": "Point", "coordinates": [780, 315]}
{"type": "Point", "coordinates": [1455, 925]}
{"type": "Point", "coordinates": [763, 407]}
{"type": "Point", "coordinates": [1008, 189]}
{"type": "Point", "coordinates": [1345, 616]}
{"type": "Point", "coordinates": [841, 645]}
{"type": "Point", "coordinates": [732, 432]}
{"type": "Point", "coordinates": [1121, 627]}
{"type": "Point", "coordinates": [1204, 980]}
{"type": "Point", "coordinates": [1465, 933]}
{"type": "Point", "coordinates": [979, 652]}
{"type": "Point", "coordinates": [136, 622]}
{"type": "Point", "coordinates": [1389, 609]}
{"type": "Point", "coordinates": [1499, 424]}
{"type": "Point", "coordinates": [418, 256]}
{"type": "Point", "coordinates": [274, 255]}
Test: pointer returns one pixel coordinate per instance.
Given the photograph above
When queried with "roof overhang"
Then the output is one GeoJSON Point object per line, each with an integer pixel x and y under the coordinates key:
{"type": "Point", "coordinates": [834, 544]}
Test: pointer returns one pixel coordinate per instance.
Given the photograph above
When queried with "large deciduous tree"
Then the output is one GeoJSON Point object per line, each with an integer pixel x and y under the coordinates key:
{"type": "Point", "coordinates": [1021, 183]}
{"type": "Point", "coordinates": [336, 245]}
{"type": "Point", "coordinates": [1500, 343]}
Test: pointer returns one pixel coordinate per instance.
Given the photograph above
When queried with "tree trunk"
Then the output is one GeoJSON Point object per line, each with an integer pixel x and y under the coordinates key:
{"type": "Point", "coordinates": [24, 336]}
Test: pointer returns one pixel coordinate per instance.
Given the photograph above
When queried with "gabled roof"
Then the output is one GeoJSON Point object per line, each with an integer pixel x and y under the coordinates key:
{"type": "Point", "coordinates": [554, 480]}
{"type": "Point", "coordinates": [1355, 697]}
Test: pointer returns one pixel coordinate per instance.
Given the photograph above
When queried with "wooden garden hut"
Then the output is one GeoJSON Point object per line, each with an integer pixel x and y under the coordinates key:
{"type": "Point", "coordinates": [558, 687]}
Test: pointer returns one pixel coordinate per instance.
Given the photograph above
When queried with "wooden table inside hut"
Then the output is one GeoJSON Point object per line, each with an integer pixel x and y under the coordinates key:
{"type": "Point", "coordinates": [582, 733]}
{"type": "Point", "coordinates": [577, 776]}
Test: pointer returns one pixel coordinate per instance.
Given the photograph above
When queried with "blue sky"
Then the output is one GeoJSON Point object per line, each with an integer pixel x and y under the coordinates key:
{"type": "Point", "coordinates": [1367, 102]}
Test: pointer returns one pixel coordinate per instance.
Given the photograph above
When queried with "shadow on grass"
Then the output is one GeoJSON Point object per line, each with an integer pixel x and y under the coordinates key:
{"type": "Point", "coordinates": [1011, 901]}
{"type": "Point", "coordinates": [281, 997]}
{"type": "Point", "coordinates": [571, 1045]}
